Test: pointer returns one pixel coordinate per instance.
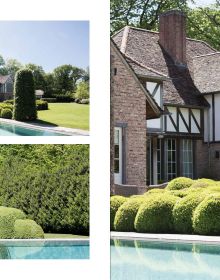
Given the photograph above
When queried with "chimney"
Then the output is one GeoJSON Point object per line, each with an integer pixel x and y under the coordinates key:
{"type": "Point", "coordinates": [172, 27]}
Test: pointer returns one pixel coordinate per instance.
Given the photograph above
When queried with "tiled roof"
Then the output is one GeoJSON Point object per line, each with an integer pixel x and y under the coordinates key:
{"type": "Point", "coordinates": [143, 47]}
{"type": "Point", "coordinates": [3, 79]}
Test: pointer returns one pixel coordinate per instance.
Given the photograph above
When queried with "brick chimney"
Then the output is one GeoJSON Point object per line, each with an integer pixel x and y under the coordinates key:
{"type": "Point", "coordinates": [172, 27]}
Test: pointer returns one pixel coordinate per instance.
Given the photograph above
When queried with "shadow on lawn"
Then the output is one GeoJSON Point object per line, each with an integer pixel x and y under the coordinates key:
{"type": "Point", "coordinates": [44, 123]}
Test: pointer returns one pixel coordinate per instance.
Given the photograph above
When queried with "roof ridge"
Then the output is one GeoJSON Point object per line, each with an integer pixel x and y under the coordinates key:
{"type": "Point", "coordinates": [208, 54]}
{"type": "Point", "coordinates": [146, 67]}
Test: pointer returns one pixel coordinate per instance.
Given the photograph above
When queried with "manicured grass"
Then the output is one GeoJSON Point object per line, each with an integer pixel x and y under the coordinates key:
{"type": "Point", "coordinates": [70, 115]}
{"type": "Point", "coordinates": [57, 235]}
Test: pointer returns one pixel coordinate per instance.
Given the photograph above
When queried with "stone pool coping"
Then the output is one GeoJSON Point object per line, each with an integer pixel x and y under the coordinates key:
{"type": "Point", "coordinates": [57, 129]}
{"type": "Point", "coordinates": [41, 242]}
{"type": "Point", "coordinates": [167, 237]}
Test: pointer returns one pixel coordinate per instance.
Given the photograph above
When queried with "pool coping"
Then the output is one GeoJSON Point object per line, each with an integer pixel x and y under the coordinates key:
{"type": "Point", "coordinates": [57, 129]}
{"type": "Point", "coordinates": [166, 237]}
{"type": "Point", "coordinates": [40, 242]}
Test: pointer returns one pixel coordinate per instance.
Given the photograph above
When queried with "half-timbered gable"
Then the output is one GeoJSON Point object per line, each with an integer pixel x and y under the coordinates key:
{"type": "Point", "coordinates": [6, 87]}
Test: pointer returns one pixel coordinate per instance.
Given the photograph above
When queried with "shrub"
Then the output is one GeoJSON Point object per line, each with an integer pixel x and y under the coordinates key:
{"type": "Point", "coordinates": [8, 216]}
{"type": "Point", "coordinates": [179, 183]}
{"type": "Point", "coordinates": [155, 214]}
{"type": "Point", "coordinates": [202, 183]}
{"type": "Point", "coordinates": [64, 98]}
{"type": "Point", "coordinates": [84, 101]}
{"type": "Point", "coordinates": [24, 96]}
{"type": "Point", "coordinates": [125, 216]}
{"type": "Point", "coordinates": [115, 202]}
{"type": "Point", "coordinates": [6, 113]}
{"type": "Point", "coordinates": [82, 91]}
{"type": "Point", "coordinates": [26, 229]}
{"type": "Point", "coordinates": [41, 105]}
{"type": "Point", "coordinates": [9, 101]}
{"type": "Point", "coordinates": [154, 191]}
{"type": "Point", "coordinates": [49, 100]}
{"type": "Point", "coordinates": [206, 216]}
{"type": "Point", "coordinates": [183, 212]}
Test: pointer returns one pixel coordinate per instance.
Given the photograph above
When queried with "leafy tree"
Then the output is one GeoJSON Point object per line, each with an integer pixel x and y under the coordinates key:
{"type": "Point", "coordinates": [24, 96]}
{"type": "Point", "coordinates": [49, 84]}
{"type": "Point", "coordinates": [2, 66]}
{"type": "Point", "coordinates": [38, 74]}
{"type": "Point", "coordinates": [86, 76]}
{"type": "Point", "coordinates": [82, 91]}
{"type": "Point", "coordinates": [12, 66]}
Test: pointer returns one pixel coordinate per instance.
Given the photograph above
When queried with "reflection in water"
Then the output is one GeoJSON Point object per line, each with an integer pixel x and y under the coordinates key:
{"type": "Point", "coordinates": [4, 252]}
{"type": "Point", "coordinates": [143, 260]}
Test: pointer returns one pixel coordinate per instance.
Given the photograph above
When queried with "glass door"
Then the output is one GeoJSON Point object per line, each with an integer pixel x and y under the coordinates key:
{"type": "Point", "coordinates": [118, 155]}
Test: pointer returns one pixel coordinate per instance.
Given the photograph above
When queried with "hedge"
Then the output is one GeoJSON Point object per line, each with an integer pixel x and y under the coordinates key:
{"type": "Point", "coordinates": [41, 105]}
{"type": "Point", "coordinates": [6, 113]}
{"type": "Point", "coordinates": [206, 216]}
{"type": "Point", "coordinates": [155, 214]}
{"type": "Point", "coordinates": [24, 96]}
{"type": "Point", "coordinates": [125, 216]}
{"type": "Point", "coordinates": [26, 229]}
{"type": "Point", "coordinates": [49, 99]}
{"type": "Point", "coordinates": [179, 183]}
{"type": "Point", "coordinates": [115, 202]}
{"type": "Point", "coordinates": [63, 98]}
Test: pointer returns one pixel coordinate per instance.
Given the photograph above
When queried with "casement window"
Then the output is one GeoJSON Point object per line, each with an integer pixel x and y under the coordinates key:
{"type": "Point", "coordinates": [159, 160]}
{"type": "Point", "coordinates": [149, 162]}
{"type": "Point", "coordinates": [171, 158]}
{"type": "Point", "coordinates": [118, 155]}
{"type": "Point", "coordinates": [187, 157]}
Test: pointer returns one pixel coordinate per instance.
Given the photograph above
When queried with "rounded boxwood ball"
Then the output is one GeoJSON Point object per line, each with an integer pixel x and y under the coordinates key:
{"type": "Point", "coordinates": [155, 214]}
{"type": "Point", "coordinates": [8, 216]}
{"type": "Point", "coordinates": [125, 216]}
{"type": "Point", "coordinates": [206, 219]}
{"type": "Point", "coordinates": [6, 113]}
{"type": "Point", "coordinates": [115, 202]}
{"type": "Point", "coordinates": [27, 229]}
{"type": "Point", "coordinates": [183, 212]}
{"type": "Point", "coordinates": [179, 183]}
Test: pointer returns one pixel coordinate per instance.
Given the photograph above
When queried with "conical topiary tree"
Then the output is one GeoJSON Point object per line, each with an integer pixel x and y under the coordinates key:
{"type": "Point", "coordinates": [24, 96]}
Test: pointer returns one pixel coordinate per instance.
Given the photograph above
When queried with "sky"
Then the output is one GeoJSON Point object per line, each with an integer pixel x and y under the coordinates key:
{"type": "Point", "coordinates": [203, 3]}
{"type": "Point", "coordinates": [46, 43]}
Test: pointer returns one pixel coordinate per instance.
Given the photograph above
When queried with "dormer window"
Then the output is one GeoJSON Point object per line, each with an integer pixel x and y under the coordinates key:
{"type": "Point", "coordinates": [155, 90]}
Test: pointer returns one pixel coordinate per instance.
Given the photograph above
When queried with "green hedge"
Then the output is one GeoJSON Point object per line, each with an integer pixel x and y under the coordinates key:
{"type": "Point", "coordinates": [115, 202]}
{"type": "Point", "coordinates": [26, 229]}
{"type": "Point", "coordinates": [49, 99]}
{"type": "Point", "coordinates": [41, 105]}
{"type": "Point", "coordinates": [6, 113]}
{"type": "Point", "coordinates": [24, 96]}
{"type": "Point", "coordinates": [155, 214]}
{"type": "Point", "coordinates": [179, 183]}
{"type": "Point", "coordinates": [125, 216]}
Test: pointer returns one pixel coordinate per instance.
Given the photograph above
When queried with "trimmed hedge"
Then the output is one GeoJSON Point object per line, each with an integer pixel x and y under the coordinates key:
{"type": "Point", "coordinates": [183, 212]}
{"type": "Point", "coordinates": [6, 113]}
{"type": "Point", "coordinates": [26, 229]}
{"type": "Point", "coordinates": [155, 214]}
{"type": "Point", "coordinates": [179, 183]}
{"type": "Point", "coordinates": [24, 96]}
{"type": "Point", "coordinates": [49, 99]}
{"type": "Point", "coordinates": [63, 98]}
{"type": "Point", "coordinates": [125, 216]}
{"type": "Point", "coordinates": [202, 183]}
{"type": "Point", "coordinates": [41, 105]}
{"type": "Point", "coordinates": [206, 216]}
{"type": "Point", "coordinates": [115, 202]}
{"type": "Point", "coordinates": [8, 216]}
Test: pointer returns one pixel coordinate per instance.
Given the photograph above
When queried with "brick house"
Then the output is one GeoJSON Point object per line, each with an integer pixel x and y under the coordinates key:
{"type": "Point", "coordinates": [6, 87]}
{"type": "Point", "coordinates": [173, 129]}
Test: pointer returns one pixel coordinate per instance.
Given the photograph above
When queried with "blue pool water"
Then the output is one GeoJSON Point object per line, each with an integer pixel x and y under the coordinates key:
{"type": "Point", "coordinates": [13, 130]}
{"type": "Point", "coordinates": [148, 260]}
{"type": "Point", "coordinates": [44, 250]}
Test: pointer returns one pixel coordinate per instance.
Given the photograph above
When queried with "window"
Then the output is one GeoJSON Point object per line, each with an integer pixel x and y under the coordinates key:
{"type": "Point", "coordinates": [116, 152]}
{"type": "Point", "coordinates": [187, 158]}
{"type": "Point", "coordinates": [159, 169]}
{"type": "Point", "coordinates": [171, 160]}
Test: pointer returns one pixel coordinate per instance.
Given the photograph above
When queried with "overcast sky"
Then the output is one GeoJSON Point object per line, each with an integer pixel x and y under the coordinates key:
{"type": "Point", "coordinates": [203, 3]}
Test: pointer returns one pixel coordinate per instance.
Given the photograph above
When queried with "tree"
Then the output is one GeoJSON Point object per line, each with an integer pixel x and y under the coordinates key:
{"type": "Point", "coordinates": [12, 66]}
{"type": "Point", "coordinates": [2, 66]}
{"type": "Point", "coordinates": [82, 91]}
{"type": "Point", "coordinates": [86, 76]}
{"type": "Point", "coordinates": [65, 77]}
{"type": "Point", "coordinates": [24, 96]}
{"type": "Point", "coordinates": [49, 84]}
{"type": "Point", "coordinates": [38, 74]}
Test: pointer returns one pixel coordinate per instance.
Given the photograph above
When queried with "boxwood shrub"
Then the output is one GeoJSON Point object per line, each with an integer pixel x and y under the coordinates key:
{"type": "Point", "coordinates": [41, 105]}
{"type": "Point", "coordinates": [206, 216]}
{"type": "Point", "coordinates": [202, 183]}
{"type": "Point", "coordinates": [115, 202]}
{"type": "Point", "coordinates": [155, 214]}
{"type": "Point", "coordinates": [125, 216]}
{"type": "Point", "coordinates": [26, 229]}
{"type": "Point", "coordinates": [6, 113]}
{"type": "Point", "coordinates": [179, 183]}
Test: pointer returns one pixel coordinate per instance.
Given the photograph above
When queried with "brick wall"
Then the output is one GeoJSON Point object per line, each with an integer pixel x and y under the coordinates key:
{"type": "Point", "coordinates": [129, 106]}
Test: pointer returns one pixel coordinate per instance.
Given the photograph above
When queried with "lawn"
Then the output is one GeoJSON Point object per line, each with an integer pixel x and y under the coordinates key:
{"type": "Point", "coordinates": [63, 236]}
{"type": "Point", "coordinates": [70, 115]}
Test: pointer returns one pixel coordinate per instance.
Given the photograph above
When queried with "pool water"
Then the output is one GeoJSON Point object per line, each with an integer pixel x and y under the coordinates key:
{"type": "Point", "coordinates": [13, 130]}
{"type": "Point", "coordinates": [44, 250]}
{"type": "Point", "coordinates": [153, 260]}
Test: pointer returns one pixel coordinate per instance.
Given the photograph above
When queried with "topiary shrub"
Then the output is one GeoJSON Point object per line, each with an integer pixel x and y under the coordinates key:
{"type": "Point", "coordinates": [6, 113]}
{"type": "Point", "coordinates": [183, 212]}
{"type": "Point", "coordinates": [8, 216]}
{"type": "Point", "coordinates": [41, 105]}
{"type": "Point", "coordinates": [206, 216]}
{"type": "Point", "coordinates": [155, 191]}
{"type": "Point", "coordinates": [125, 216]}
{"type": "Point", "coordinates": [26, 229]}
{"type": "Point", "coordinates": [24, 96]}
{"type": "Point", "coordinates": [179, 183]}
{"type": "Point", "coordinates": [155, 214]}
{"type": "Point", "coordinates": [115, 202]}
{"type": "Point", "coordinates": [202, 183]}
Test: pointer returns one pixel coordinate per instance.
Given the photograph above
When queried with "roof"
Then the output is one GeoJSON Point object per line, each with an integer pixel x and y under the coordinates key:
{"type": "Point", "coordinates": [3, 79]}
{"type": "Point", "coordinates": [151, 101]}
{"type": "Point", "coordinates": [142, 46]}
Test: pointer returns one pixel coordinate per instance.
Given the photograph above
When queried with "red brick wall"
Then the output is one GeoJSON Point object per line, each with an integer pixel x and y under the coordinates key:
{"type": "Point", "coordinates": [129, 106]}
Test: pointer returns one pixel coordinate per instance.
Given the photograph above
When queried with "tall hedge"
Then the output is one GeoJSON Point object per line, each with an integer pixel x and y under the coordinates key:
{"type": "Point", "coordinates": [50, 183]}
{"type": "Point", "coordinates": [24, 96]}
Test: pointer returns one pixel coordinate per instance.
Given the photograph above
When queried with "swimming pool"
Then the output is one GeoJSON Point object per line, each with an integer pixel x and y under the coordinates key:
{"type": "Point", "coordinates": [159, 260]}
{"type": "Point", "coordinates": [40, 249]}
{"type": "Point", "coordinates": [7, 129]}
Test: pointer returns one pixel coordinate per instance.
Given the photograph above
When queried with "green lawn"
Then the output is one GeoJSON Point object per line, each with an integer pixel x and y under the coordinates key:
{"type": "Point", "coordinates": [70, 115]}
{"type": "Point", "coordinates": [57, 235]}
